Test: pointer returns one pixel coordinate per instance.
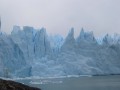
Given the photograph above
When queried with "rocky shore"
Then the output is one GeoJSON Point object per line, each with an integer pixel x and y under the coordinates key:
{"type": "Point", "coordinates": [11, 85]}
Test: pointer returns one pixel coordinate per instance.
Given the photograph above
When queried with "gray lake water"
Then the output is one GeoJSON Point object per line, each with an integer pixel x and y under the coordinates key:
{"type": "Point", "coordinates": [76, 83]}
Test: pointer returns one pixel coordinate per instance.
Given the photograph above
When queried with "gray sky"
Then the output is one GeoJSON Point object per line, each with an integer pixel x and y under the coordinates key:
{"type": "Point", "coordinates": [58, 16]}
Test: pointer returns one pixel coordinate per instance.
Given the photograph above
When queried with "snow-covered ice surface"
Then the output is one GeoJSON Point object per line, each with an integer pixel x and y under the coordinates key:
{"type": "Point", "coordinates": [33, 53]}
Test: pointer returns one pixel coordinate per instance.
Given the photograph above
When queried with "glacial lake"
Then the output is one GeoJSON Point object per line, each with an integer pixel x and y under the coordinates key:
{"type": "Point", "coordinates": [75, 83]}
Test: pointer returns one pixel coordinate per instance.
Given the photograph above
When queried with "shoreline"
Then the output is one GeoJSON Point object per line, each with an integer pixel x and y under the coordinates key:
{"type": "Point", "coordinates": [68, 76]}
{"type": "Point", "coordinates": [12, 85]}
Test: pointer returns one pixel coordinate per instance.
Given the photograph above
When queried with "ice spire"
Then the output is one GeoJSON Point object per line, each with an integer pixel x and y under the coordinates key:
{"type": "Point", "coordinates": [0, 26]}
{"type": "Point", "coordinates": [82, 34]}
{"type": "Point", "coordinates": [70, 35]}
{"type": "Point", "coordinates": [69, 41]}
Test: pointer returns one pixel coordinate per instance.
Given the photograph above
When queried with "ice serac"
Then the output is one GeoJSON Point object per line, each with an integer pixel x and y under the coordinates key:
{"type": "Point", "coordinates": [69, 42]}
{"type": "Point", "coordinates": [42, 45]}
{"type": "Point", "coordinates": [29, 37]}
{"type": "Point", "coordinates": [56, 41]}
{"type": "Point", "coordinates": [107, 39]}
{"type": "Point", "coordinates": [85, 36]}
{"type": "Point", "coordinates": [111, 39]}
{"type": "Point", "coordinates": [86, 40]}
{"type": "Point", "coordinates": [16, 29]}
{"type": "Point", "coordinates": [24, 39]}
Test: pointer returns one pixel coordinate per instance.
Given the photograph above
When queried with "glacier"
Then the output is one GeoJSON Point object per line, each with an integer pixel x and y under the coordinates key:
{"type": "Point", "coordinates": [30, 52]}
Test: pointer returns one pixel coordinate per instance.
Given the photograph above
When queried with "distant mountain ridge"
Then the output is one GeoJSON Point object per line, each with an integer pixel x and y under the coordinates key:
{"type": "Point", "coordinates": [31, 52]}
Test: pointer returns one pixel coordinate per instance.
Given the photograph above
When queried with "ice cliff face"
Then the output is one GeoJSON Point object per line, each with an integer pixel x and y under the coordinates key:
{"type": "Point", "coordinates": [41, 44]}
{"type": "Point", "coordinates": [11, 57]}
{"type": "Point", "coordinates": [31, 52]}
{"type": "Point", "coordinates": [56, 42]}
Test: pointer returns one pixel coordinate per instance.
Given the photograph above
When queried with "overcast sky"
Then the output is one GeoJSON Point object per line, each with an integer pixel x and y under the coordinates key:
{"type": "Point", "coordinates": [58, 16]}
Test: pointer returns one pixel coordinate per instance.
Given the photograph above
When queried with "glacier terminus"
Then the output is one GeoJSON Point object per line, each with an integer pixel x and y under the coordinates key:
{"type": "Point", "coordinates": [29, 52]}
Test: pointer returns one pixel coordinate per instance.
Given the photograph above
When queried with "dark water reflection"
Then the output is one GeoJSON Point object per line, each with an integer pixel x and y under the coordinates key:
{"type": "Point", "coordinates": [76, 83]}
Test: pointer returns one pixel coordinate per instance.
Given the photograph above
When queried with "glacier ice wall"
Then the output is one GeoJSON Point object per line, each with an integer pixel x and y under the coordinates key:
{"type": "Point", "coordinates": [30, 52]}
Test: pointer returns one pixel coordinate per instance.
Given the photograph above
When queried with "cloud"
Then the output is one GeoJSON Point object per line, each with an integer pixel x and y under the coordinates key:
{"type": "Point", "coordinates": [100, 16]}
